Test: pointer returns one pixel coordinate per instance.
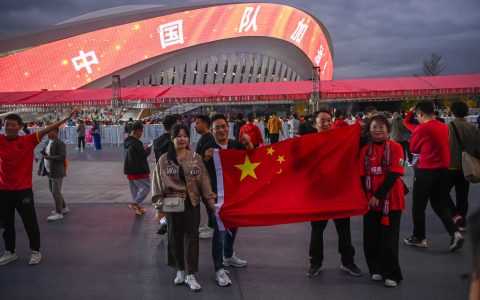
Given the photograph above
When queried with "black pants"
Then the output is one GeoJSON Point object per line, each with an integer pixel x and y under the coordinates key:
{"type": "Point", "coordinates": [274, 137]}
{"type": "Point", "coordinates": [81, 142]}
{"type": "Point", "coordinates": [462, 187]}
{"type": "Point", "coordinates": [406, 150]}
{"type": "Point", "coordinates": [380, 244]}
{"type": "Point", "coordinates": [345, 247]}
{"type": "Point", "coordinates": [183, 243]}
{"type": "Point", "coordinates": [431, 184]}
{"type": "Point", "coordinates": [22, 201]}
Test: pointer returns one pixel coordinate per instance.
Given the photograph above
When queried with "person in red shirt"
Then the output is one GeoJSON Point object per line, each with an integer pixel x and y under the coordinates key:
{"type": "Point", "coordinates": [339, 120]}
{"type": "Point", "coordinates": [381, 165]}
{"type": "Point", "coordinates": [16, 164]}
{"type": "Point", "coordinates": [253, 131]}
{"type": "Point", "coordinates": [431, 150]}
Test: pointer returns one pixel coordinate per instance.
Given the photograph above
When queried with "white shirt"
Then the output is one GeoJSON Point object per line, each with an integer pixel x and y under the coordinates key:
{"type": "Point", "coordinates": [223, 146]}
{"type": "Point", "coordinates": [46, 162]}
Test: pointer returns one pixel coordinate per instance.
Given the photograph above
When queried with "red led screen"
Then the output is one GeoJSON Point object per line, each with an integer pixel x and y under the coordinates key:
{"type": "Point", "coordinates": [73, 62]}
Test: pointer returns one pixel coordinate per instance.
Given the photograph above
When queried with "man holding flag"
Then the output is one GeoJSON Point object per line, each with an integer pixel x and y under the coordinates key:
{"type": "Point", "coordinates": [222, 243]}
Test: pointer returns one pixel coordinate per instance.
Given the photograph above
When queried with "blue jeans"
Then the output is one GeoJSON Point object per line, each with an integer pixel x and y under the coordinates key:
{"type": "Point", "coordinates": [222, 244]}
{"type": "Point", "coordinates": [139, 189]}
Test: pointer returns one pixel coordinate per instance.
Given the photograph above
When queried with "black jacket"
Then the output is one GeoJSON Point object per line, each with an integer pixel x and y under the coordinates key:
{"type": "Point", "coordinates": [160, 145]}
{"type": "Point", "coordinates": [136, 162]}
{"type": "Point", "coordinates": [58, 157]}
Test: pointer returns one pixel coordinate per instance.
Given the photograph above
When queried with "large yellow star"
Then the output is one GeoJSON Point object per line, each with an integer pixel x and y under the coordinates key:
{"type": "Point", "coordinates": [270, 151]}
{"type": "Point", "coordinates": [248, 168]}
{"type": "Point", "coordinates": [281, 159]}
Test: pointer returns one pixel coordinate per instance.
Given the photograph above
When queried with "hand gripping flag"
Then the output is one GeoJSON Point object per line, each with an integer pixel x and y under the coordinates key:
{"type": "Point", "coordinates": [314, 177]}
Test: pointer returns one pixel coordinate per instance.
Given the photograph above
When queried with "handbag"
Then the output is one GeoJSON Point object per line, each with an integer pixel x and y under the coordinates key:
{"type": "Point", "coordinates": [173, 204]}
{"type": "Point", "coordinates": [470, 164]}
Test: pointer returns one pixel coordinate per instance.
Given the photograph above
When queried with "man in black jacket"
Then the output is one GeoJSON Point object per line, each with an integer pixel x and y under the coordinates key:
{"type": "Point", "coordinates": [53, 165]}
{"type": "Point", "coordinates": [136, 167]}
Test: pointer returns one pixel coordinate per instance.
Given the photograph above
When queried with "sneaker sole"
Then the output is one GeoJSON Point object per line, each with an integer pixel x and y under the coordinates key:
{"type": "Point", "coordinates": [224, 285]}
{"type": "Point", "coordinates": [415, 245]}
{"type": "Point", "coordinates": [8, 261]}
{"type": "Point", "coordinates": [225, 264]}
{"type": "Point", "coordinates": [316, 273]}
{"type": "Point", "coordinates": [350, 272]}
{"type": "Point", "coordinates": [458, 245]}
{"type": "Point", "coordinates": [193, 290]}
{"type": "Point", "coordinates": [179, 283]}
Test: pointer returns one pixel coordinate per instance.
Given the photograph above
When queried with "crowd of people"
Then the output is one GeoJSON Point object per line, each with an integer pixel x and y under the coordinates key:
{"type": "Point", "coordinates": [183, 178]}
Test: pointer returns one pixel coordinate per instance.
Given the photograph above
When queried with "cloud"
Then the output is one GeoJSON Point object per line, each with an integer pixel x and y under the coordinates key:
{"type": "Point", "coordinates": [372, 38]}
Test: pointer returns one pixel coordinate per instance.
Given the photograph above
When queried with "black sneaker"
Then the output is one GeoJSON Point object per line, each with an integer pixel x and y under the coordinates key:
{"type": "Point", "coordinates": [352, 269]}
{"type": "Point", "coordinates": [413, 241]}
{"type": "Point", "coordinates": [457, 241]}
{"type": "Point", "coordinates": [314, 270]}
{"type": "Point", "coordinates": [163, 229]}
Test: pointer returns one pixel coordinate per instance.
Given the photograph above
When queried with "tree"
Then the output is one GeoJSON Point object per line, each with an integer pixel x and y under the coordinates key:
{"type": "Point", "coordinates": [432, 66]}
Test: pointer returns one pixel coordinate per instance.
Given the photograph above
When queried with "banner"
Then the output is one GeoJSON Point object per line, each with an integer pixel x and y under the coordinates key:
{"type": "Point", "coordinates": [313, 177]}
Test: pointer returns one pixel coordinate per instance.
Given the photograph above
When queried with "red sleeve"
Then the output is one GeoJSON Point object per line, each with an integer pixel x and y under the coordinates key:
{"type": "Point", "coordinates": [361, 160]}
{"type": "Point", "coordinates": [416, 141]}
{"type": "Point", "coordinates": [33, 139]}
{"type": "Point", "coordinates": [408, 122]}
{"type": "Point", "coordinates": [398, 160]}
{"type": "Point", "coordinates": [259, 134]}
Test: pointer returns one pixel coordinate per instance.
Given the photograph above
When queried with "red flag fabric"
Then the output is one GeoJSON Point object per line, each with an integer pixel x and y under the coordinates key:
{"type": "Point", "coordinates": [313, 177]}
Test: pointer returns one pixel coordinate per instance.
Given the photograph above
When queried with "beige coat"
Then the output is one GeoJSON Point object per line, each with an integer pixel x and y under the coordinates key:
{"type": "Point", "coordinates": [166, 180]}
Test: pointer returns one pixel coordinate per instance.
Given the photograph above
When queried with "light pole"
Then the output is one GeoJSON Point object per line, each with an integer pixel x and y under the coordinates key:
{"type": "Point", "coordinates": [315, 98]}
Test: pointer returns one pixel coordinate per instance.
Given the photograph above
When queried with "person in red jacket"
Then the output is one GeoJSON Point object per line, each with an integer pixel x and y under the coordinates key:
{"type": "Point", "coordinates": [253, 131]}
{"type": "Point", "coordinates": [381, 165]}
{"type": "Point", "coordinates": [431, 149]}
{"type": "Point", "coordinates": [339, 120]}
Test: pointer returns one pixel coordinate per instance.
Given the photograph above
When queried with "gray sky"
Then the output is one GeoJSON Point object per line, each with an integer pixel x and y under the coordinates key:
{"type": "Point", "coordinates": [372, 38]}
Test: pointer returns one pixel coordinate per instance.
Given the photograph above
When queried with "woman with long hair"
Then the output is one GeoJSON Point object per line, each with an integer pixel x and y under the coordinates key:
{"type": "Point", "coordinates": [179, 183]}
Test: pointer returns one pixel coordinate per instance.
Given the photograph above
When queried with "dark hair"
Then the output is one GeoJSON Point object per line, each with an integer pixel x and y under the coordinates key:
{"type": "Point", "coordinates": [205, 119]}
{"type": "Point", "coordinates": [14, 117]}
{"type": "Point", "coordinates": [323, 111]}
{"type": "Point", "coordinates": [217, 117]}
{"type": "Point", "coordinates": [425, 107]}
{"type": "Point", "coordinates": [171, 153]}
{"type": "Point", "coordinates": [338, 114]}
{"type": "Point", "coordinates": [250, 118]}
{"type": "Point", "coordinates": [130, 119]}
{"type": "Point", "coordinates": [169, 121]}
{"type": "Point", "coordinates": [239, 117]}
{"type": "Point", "coordinates": [295, 115]}
{"type": "Point", "coordinates": [370, 109]}
{"type": "Point", "coordinates": [137, 125]}
{"type": "Point", "coordinates": [459, 109]}
{"type": "Point", "coordinates": [380, 118]}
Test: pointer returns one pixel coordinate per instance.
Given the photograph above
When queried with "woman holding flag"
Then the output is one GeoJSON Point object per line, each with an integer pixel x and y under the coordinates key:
{"type": "Point", "coordinates": [381, 166]}
{"type": "Point", "coordinates": [179, 183]}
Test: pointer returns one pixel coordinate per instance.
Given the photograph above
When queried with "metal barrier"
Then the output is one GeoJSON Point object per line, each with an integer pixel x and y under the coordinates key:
{"type": "Point", "coordinates": [115, 134]}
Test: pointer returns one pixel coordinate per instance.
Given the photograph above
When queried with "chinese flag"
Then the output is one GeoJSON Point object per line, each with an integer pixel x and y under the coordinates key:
{"type": "Point", "coordinates": [314, 177]}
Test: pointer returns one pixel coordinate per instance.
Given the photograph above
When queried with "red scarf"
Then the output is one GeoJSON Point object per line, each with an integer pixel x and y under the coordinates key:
{"type": "Point", "coordinates": [386, 167]}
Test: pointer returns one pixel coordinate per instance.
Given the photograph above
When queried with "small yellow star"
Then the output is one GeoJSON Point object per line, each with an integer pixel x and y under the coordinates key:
{"type": "Point", "coordinates": [281, 159]}
{"type": "Point", "coordinates": [248, 168]}
{"type": "Point", "coordinates": [270, 151]}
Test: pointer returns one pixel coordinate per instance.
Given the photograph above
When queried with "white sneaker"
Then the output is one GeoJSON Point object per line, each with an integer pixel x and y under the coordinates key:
{"type": "Point", "coordinates": [377, 277]}
{"type": "Point", "coordinates": [7, 257]}
{"type": "Point", "coordinates": [390, 283]}
{"type": "Point", "coordinates": [192, 283]}
{"type": "Point", "coordinates": [65, 211]}
{"type": "Point", "coordinates": [180, 278]}
{"type": "Point", "coordinates": [205, 232]}
{"type": "Point", "coordinates": [456, 241]}
{"type": "Point", "coordinates": [35, 258]}
{"type": "Point", "coordinates": [55, 216]}
{"type": "Point", "coordinates": [234, 262]}
{"type": "Point", "coordinates": [222, 278]}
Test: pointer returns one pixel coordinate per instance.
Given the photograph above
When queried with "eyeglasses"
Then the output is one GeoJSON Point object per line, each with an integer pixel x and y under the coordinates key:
{"type": "Point", "coordinates": [218, 127]}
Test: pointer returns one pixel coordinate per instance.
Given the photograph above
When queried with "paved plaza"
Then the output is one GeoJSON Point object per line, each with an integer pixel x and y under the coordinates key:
{"type": "Point", "coordinates": [101, 250]}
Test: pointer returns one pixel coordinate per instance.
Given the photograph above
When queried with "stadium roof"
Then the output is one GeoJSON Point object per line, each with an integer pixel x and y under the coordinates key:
{"type": "Point", "coordinates": [386, 89]}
